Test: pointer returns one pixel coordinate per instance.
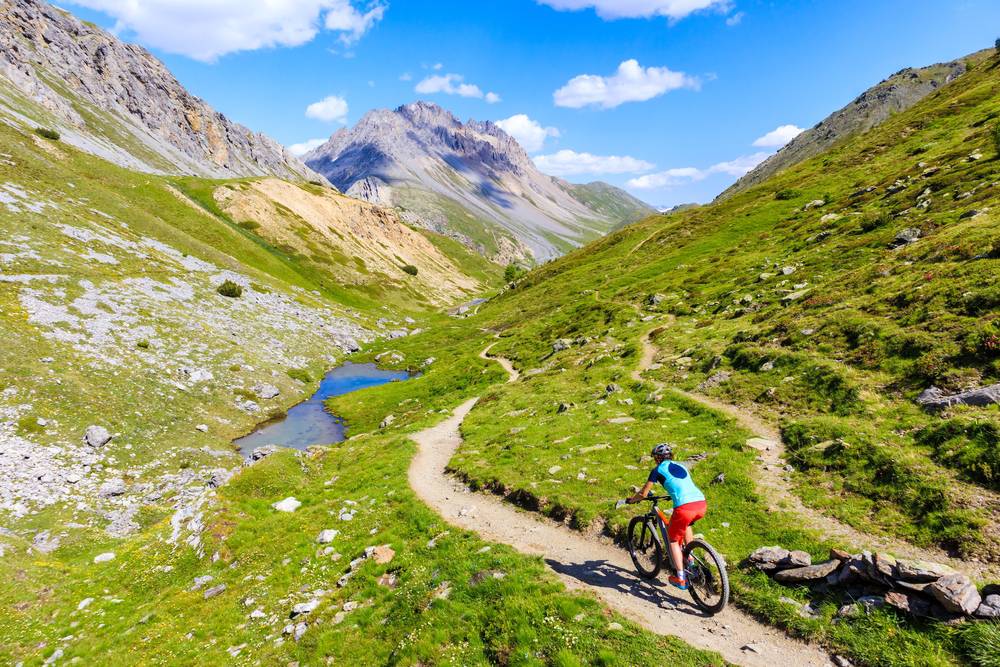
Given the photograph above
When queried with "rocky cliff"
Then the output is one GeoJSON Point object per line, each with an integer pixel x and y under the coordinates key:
{"type": "Point", "coordinates": [118, 101]}
{"type": "Point", "coordinates": [470, 180]}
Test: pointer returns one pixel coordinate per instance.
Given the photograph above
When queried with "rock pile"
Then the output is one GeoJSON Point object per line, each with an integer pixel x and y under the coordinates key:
{"type": "Point", "coordinates": [917, 588]}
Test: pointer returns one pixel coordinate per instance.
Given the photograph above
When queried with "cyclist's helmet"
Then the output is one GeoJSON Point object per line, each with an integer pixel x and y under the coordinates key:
{"type": "Point", "coordinates": [663, 450]}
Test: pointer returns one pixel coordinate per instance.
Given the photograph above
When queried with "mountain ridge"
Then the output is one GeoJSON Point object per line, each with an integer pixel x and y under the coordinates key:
{"type": "Point", "coordinates": [471, 180]}
{"type": "Point", "coordinates": [118, 101]}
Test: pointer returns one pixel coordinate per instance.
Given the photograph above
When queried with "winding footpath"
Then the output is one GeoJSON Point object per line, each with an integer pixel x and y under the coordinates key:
{"type": "Point", "coordinates": [773, 481]}
{"type": "Point", "coordinates": [589, 564]}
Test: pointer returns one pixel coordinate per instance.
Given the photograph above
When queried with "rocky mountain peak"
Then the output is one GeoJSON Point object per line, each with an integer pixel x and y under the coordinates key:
{"type": "Point", "coordinates": [120, 102]}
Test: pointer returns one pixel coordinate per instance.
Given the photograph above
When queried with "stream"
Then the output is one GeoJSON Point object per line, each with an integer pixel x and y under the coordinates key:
{"type": "Point", "coordinates": [309, 423]}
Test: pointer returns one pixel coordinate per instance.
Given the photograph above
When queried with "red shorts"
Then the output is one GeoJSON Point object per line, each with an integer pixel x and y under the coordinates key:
{"type": "Point", "coordinates": [683, 517]}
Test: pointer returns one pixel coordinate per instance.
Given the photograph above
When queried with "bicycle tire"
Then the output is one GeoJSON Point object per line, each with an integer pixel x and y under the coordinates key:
{"type": "Point", "coordinates": [641, 540]}
{"type": "Point", "coordinates": [709, 577]}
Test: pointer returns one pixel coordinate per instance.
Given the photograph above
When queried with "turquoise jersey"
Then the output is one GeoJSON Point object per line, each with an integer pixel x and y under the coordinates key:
{"type": "Point", "coordinates": [676, 479]}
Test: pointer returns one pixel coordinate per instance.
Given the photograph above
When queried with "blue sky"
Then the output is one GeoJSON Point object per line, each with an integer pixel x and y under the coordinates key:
{"type": "Point", "coordinates": [710, 77]}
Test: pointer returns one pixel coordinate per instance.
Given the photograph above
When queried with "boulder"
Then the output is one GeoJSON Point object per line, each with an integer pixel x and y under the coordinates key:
{"type": "Point", "coordinates": [766, 559]}
{"type": "Point", "coordinates": [304, 608]}
{"type": "Point", "coordinates": [956, 593]}
{"type": "Point", "coordinates": [914, 605]}
{"type": "Point", "coordinates": [266, 391]}
{"type": "Point", "coordinates": [561, 344]}
{"type": "Point", "coordinates": [989, 607]}
{"type": "Point", "coordinates": [96, 436]}
{"type": "Point", "coordinates": [806, 574]}
{"type": "Point", "coordinates": [214, 590]}
{"type": "Point", "coordinates": [794, 296]}
{"type": "Point", "coordinates": [387, 421]}
{"type": "Point", "coordinates": [654, 300]}
{"type": "Point", "coordinates": [262, 452]}
{"type": "Point", "coordinates": [921, 571]}
{"type": "Point", "coordinates": [934, 399]}
{"type": "Point", "coordinates": [112, 487]}
{"type": "Point", "coordinates": [289, 504]}
{"type": "Point", "coordinates": [905, 237]}
{"type": "Point", "coordinates": [382, 554]}
{"type": "Point", "coordinates": [327, 536]}
{"type": "Point", "coordinates": [105, 557]}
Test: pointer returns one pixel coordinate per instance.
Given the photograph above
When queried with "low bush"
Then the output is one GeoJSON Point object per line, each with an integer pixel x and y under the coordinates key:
{"type": "Point", "coordinates": [786, 194]}
{"type": "Point", "coordinates": [971, 446]}
{"type": "Point", "coordinates": [250, 225]}
{"type": "Point", "coordinates": [47, 133]}
{"type": "Point", "coordinates": [410, 269]}
{"type": "Point", "coordinates": [230, 289]}
{"type": "Point", "coordinates": [300, 374]}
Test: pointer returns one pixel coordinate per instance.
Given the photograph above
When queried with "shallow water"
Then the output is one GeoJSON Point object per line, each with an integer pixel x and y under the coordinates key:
{"type": "Point", "coordinates": [308, 423]}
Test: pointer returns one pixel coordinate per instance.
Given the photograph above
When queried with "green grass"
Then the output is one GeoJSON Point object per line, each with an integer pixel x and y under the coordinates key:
{"type": "Point", "coordinates": [525, 617]}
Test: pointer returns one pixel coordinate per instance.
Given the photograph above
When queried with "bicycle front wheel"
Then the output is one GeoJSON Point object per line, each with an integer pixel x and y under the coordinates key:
{"type": "Point", "coordinates": [708, 581]}
{"type": "Point", "coordinates": [644, 548]}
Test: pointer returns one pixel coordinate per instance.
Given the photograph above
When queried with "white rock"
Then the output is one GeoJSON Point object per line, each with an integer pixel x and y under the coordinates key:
{"type": "Point", "coordinates": [289, 504]}
{"type": "Point", "coordinates": [84, 603]}
{"type": "Point", "coordinates": [202, 427]}
{"type": "Point", "coordinates": [105, 557]}
{"type": "Point", "coordinates": [96, 436]}
{"type": "Point", "coordinates": [327, 536]}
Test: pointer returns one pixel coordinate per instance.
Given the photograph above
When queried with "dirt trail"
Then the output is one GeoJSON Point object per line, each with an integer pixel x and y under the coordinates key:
{"type": "Point", "coordinates": [513, 375]}
{"type": "Point", "coordinates": [592, 565]}
{"type": "Point", "coordinates": [773, 483]}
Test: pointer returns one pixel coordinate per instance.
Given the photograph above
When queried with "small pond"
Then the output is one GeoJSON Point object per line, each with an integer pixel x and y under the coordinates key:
{"type": "Point", "coordinates": [308, 423]}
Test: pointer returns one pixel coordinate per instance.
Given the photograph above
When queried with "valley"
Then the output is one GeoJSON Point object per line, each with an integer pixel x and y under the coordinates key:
{"type": "Point", "coordinates": [381, 405]}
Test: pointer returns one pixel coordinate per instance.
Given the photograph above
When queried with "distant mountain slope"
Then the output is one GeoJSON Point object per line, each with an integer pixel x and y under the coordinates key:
{"type": "Point", "coordinates": [472, 181]}
{"type": "Point", "coordinates": [119, 102]}
{"type": "Point", "coordinates": [610, 201]}
{"type": "Point", "coordinates": [871, 108]}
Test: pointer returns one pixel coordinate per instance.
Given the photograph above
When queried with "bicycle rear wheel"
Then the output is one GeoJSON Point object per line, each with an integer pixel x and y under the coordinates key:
{"type": "Point", "coordinates": [708, 581]}
{"type": "Point", "coordinates": [644, 548]}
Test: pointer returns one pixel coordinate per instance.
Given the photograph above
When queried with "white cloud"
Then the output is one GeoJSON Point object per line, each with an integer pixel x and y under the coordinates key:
{"type": "Point", "coordinates": [735, 19]}
{"type": "Point", "coordinates": [687, 175]}
{"type": "Point", "coordinates": [571, 163]}
{"type": "Point", "coordinates": [529, 133]}
{"type": "Point", "coordinates": [406, 76]}
{"type": "Point", "coordinates": [207, 29]}
{"type": "Point", "coordinates": [298, 150]}
{"type": "Point", "coordinates": [330, 109]}
{"type": "Point", "coordinates": [631, 9]}
{"type": "Point", "coordinates": [454, 84]}
{"type": "Point", "coordinates": [437, 67]}
{"type": "Point", "coordinates": [630, 83]}
{"type": "Point", "coordinates": [344, 18]}
{"type": "Point", "coordinates": [778, 137]}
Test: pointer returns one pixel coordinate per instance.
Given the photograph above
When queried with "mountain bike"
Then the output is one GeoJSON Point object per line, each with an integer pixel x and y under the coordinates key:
{"type": "Point", "coordinates": [708, 581]}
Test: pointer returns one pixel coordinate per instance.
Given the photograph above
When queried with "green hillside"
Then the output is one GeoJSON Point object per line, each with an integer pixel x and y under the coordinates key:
{"type": "Point", "coordinates": [799, 300]}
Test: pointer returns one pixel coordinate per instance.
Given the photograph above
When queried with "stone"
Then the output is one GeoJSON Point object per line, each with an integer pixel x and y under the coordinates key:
{"type": "Point", "coordinates": [84, 603]}
{"type": "Point", "coordinates": [809, 573]}
{"type": "Point", "coordinates": [96, 436]}
{"type": "Point", "coordinates": [934, 399]}
{"type": "Point", "coordinates": [327, 536]}
{"type": "Point", "coordinates": [111, 488]}
{"type": "Point", "coordinates": [259, 453]}
{"type": "Point", "coordinates": [258, 614]}
{"type": "Point", "coordinates": [761, 444]}
{"type": "Point", "coordinates": [914, 605]}
{"type": "Point", "coordinates": [199, 582]}
{"type": "Point", "coordinates": [388, 580]}
{"type": "Point", "coordinates": [905, 237]}
{"type": "Point", "coordinates": [621, 420]}
{"type": "Point", "coordinates": [485, 575]}
{"type": "Point", "coordinates": [956, 593]}
{"type": "Point", "coordinates": [839, 554]}
{"type": "Point", "coordinates": [304, 608]}
{"type": "Point", "coordinates": [654, 300]}
{"type": "Point", "coordinates": [989, 607]}
{"type": "Point", "coordinates": [564, 407]}
{"type": "Point", "coordinates": [720, 478]}
{"type": "Point", "coordinates": [202, 428]}
{"type": "Point", "coordinates": [612, 388]}
{"type": "Point", "coordinates": [382, 554]}
{"type": "Point", "coordinates": [714, 380]}
{"type": "Point", "coordinates": [614, 627]}
{"type": "Point", "coordinates": [766, 559]}
{"type": "Point", "coordinates": [214, 591]}
{"type": "Point", "coordinates": [919, 571]}
{"type": "Point", "coordinates": [289, 504]}
{"type": "Point", "coordinates": [266, 391]}
{"type": "Point", "coordinates": [387, 421]}
{"type": "Point", "coordinates": [554, 469]}
{"type": "Point", "coordinates": [841, 661]}
{"type": "Point", "coordinates": [794, 296]}
{"type": "Point", "coordinates": [815, 203]}
{"type": "Point", "coordinates": [105, 557]}
{"type": "Point", "coordinates": [561, 344]}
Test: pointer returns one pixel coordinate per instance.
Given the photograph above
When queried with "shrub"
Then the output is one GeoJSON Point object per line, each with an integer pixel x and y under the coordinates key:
{"type": "Point", "coordinates": [980, 640]}
{"type": "Point", "coordinates": [410, 269]}
{"type": "Point", "coordinates": [300, 374]}
{"type": "Point", "coordinates": [47, 133]}
{"type": "Point", "coordinates": [995, 134]}
{"type": "Point", "coordinates": [513, 272]}
{"type": "Point", "coordinates": [249, 225]}
{"type": "Point", "coordinates": [143, 345]}
{"type": "Point", "coordinates": [230, 289]}
{"type": "Point", "coordinates": [786, 194]}
{"type": "Point", "coordinates": [970, 446]}
{"type": "Point", "coordinates": [873, 221]}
